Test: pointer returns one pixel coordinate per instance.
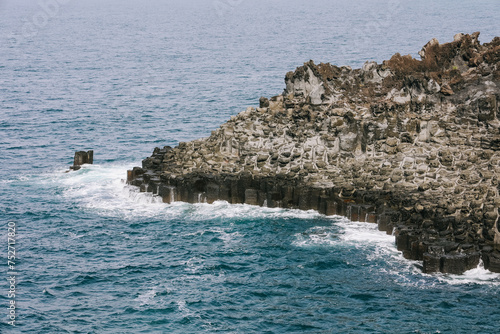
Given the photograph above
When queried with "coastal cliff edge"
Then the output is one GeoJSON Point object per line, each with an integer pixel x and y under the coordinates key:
{"type": "Point", "coordinates": [412, 145]}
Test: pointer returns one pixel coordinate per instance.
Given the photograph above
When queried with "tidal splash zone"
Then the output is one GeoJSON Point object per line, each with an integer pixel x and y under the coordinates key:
{"type": "Point", "coordinates": [285, 193]}
{"type": "Point", "coordinates": [412, 145]}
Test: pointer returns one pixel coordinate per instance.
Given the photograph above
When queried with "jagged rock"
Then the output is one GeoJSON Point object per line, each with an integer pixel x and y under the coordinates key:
{"type": "Point", "coordinates": [446, 90]}
{"type": "Point", "coordinates": [411, 144]}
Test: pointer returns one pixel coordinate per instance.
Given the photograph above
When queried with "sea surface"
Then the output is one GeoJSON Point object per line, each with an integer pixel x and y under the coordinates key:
{"type": "Point", "coordinates": [94, 255]}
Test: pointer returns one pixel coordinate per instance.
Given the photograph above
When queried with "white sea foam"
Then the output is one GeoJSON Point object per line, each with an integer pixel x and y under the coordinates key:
{"type": "Point", "coordinates": [407, 271]}
{"type": "Point", "coordinates": [147, 297]}
{"type": "Point", "coordinates": [25, 177]}
{"type": "Point", "coordinates": [102, 188]}
{"type": "Point", "coordinates": [194, 264]}
{"type": "Point", "coordinates": [317, 236]}
{"type": "Point", "coordinates": [358, 233]}
{"type": "Point", "coordinates": [186, 312]}
{"type": "Point", "coordinates": [362, 235]}
{"type": "Point", "coordinates": [345, 232]}
{"type": "Point", "coordinates": [228, 238]}
{"type": "Point", "coordinates": [75, 236]}
{"type": "Point", "coordinates": [222, 209]}
{"type": "Point", "coordinates": [181, 306]}
{"type": "Point", "coordinates": [477, 275]}
{"type": "Point", "coordinates": [366, 237]}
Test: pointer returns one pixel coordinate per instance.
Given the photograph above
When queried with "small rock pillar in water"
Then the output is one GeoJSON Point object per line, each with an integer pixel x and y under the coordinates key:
{"type": "Point", "coordinates": [81, 158]}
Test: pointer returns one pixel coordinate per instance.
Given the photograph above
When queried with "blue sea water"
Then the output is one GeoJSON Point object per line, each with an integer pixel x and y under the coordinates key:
{"type": "Point", "coordinates": [121, 77]}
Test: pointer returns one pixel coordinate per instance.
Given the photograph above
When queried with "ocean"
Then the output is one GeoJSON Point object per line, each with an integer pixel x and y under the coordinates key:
{"type": "Point", "coordinates": [93, 255]}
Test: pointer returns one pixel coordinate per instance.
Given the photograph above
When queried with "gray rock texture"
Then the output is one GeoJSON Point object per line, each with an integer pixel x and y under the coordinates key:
{"type": "Point", "coordinates": [412, 145]}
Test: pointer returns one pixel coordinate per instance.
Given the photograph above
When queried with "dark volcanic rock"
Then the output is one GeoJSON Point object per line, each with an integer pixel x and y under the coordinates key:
{"type": "Point", "coordinates": [412, 145]}
{"type": "Point", "coordinates": [81, 158]}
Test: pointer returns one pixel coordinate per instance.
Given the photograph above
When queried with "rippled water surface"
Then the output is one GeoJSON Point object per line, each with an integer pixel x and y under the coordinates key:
{"type": "Point", "coordinates": [121, 77]}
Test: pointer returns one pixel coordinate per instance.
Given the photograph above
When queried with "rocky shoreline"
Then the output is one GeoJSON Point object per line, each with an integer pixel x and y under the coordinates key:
{"type": "Point", "coordinates": [412, 145]}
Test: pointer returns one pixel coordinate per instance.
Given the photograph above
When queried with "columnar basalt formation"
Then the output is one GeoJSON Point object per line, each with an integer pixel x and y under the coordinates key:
{"type": "Point", "coordinates": [81, 158]}
{"type": "Point", "coordinates": [412, 145]}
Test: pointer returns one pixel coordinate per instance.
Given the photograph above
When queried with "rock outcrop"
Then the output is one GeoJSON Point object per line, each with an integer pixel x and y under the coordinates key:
{"type": "Point", "coordinates": [81, 158]}
{"type": "Point", "coordinates": [413, 145]}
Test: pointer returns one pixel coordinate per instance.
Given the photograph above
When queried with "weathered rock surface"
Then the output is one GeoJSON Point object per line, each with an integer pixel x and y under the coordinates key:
{"type": "Point", "coordinates": [412, 145]}
{"type": "Point", "coordinates": [81, 158]}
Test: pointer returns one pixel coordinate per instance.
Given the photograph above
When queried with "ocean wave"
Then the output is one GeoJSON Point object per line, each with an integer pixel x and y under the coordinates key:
{"type": "Point", "coordinates": [147, 297]}
{"type": "Point", "coordinates": [380, 247]}
{"type": "Point", "coordinates": [478, 275]}
{"type": "Point", "coordinates": [317, 236]}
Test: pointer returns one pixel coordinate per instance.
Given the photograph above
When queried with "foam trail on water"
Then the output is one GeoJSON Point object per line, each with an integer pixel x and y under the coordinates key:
{"type": "Point", "coordinates": [101, 188]}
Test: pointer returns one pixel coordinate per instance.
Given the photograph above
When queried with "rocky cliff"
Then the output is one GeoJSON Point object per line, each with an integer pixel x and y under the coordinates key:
{"type": "Point", "coordinates": [412, 145]}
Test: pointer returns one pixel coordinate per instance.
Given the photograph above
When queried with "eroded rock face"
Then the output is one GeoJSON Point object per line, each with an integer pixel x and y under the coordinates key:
{"type": "Point", "coordinates": [412, 145]}
{"type": "Point", "coordinates": [81, 158]}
